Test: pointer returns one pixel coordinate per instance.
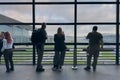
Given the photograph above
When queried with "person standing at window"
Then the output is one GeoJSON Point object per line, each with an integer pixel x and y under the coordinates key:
{"type": "Point", "coordinates": [7, 51]}
{"type": "Point", "coordinates": [95, 43]}
{"type": "Point", "coordinates": [42, 36]}
{"type": "Point", "coordinates": [60, 48]}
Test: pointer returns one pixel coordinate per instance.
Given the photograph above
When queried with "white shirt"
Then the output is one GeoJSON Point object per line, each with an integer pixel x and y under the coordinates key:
{"type": "Point", "coordinates": [6, 45]}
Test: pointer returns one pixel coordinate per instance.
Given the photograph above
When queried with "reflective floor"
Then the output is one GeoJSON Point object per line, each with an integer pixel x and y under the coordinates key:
{"type": "Point", "coordinates": [27, 72]}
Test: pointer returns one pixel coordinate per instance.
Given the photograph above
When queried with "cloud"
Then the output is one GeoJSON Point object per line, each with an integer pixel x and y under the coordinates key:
{"type": "Point", "coordinates": [64, 13]}
{"type": "Point", "coordinates": [96, 13]}
{"type": "Point", "coordinates": [95, 0]}
{"type": "Point", "coordinates": [15, 0]}
{"type": "Point", "coordinates": [21, 13]}
{"type": "Point", "coordinates": [55, 13]}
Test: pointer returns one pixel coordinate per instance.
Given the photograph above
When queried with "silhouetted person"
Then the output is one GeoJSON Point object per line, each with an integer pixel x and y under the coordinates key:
{"type": "Point", "coordinates": [95, 43]}
{"type": "Point", "coordinates": [60, 48]}
{"type": "Point", "coordinates": [1, 45]}
{"type": "Point", "coordinates": [7, 51]}
{"type": "Point", "coordinates": [40, 46]}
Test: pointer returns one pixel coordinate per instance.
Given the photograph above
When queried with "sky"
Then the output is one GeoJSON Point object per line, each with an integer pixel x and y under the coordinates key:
{"type": "Point", "coordinates": [65, 14]}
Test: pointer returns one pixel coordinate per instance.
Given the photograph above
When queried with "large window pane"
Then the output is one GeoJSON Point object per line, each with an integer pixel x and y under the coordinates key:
{"type": "Point", "coordinates": [20, 33]}
{"type": "Point", "coordinates": [54, 13]}
{"type": "Point", "coordinates": [96, 13]}
{"type": "Point", "coordinates": [15, 0]}
{"type": "Point", "coordinates": [95, 0]}
{"type": "Point", "coordinates": [15, 13]}
{"type": "Point", "coordinates": [108, 32]}
{"type": "Point", "coordinates": [53, 0]}
{"type": "Point", "coordinates": [52, 29]}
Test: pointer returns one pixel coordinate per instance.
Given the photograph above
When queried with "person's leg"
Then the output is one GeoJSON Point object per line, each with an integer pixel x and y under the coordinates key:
{"type": "Point", "coordinates": [88, 67]}
{"type": "Point", "coordinates": [96, 55]}
{"type": "Point", "coordinates": [56, 59]}
{"type": "Point", "coordinates": [62, 56]}
{"type": "Point", "coordinates": [6, 57]}
{"type": "Point", "coordinates": [40, 56]}
{"type": "Point", "coordinates": [11, 60]}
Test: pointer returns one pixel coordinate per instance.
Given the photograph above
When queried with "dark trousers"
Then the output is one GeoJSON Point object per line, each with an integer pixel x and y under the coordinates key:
{"type": "Point", "coordinates": [8, 59]}
{"type": "Point", "coordinates": [92, 52]}
{"type": "Point", "coordinates": [40, 49]}
{"type": "Point", "coordinates": [58, 60]}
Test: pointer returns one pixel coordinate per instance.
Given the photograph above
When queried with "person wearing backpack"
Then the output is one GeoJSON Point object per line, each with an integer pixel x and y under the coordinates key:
{"type": "Point", "coordinates": [38, 39]}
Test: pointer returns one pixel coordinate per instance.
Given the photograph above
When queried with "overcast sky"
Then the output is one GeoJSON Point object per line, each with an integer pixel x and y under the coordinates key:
{"type": "Point", "coordinates": [64, 13]}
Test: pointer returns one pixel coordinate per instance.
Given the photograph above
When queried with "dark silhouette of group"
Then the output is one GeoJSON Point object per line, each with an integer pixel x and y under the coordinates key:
{"type": "Point", "coordinates": [95, 43]}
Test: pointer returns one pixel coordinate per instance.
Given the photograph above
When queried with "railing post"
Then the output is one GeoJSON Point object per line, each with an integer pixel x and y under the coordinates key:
{"type": "Point", "coordinates": [33, 8]}
{"type": "Point", "coordinates": [75, 37]}
{"type": "Point", "coordinates": [117, 33]}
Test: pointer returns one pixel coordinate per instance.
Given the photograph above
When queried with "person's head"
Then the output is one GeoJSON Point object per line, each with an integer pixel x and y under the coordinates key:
{"type": "Point", "coordinates": [95, 28]}
{"type": "Point", "coordinates": [59, 30]}
{"type": "Point", "coordinates": [8, 37]}
{"type": "Point", "coordinates": [43, 25]}
{"type": "Point", "coordinates": [2, 35]}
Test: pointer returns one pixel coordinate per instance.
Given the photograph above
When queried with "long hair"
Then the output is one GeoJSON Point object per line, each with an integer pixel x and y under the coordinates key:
{"type": "Point", "coordinates": [59, 31]}
{"type": "Point", "coordinates": [8, 37]}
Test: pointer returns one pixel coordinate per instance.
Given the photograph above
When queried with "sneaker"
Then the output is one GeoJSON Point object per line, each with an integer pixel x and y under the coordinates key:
{"type": "Point", "coordinates": [54, 69]}
{"type": "Point", "coordinates": [40, 70]}
{"type": "Point", "coordinates": [94, 68]}
{"type": "Point", "coordinates": [59, 69]}
{"type": "Point", "coordinates": [87, 68]}
{"type": "Point", "coordinates": [11, 69]}
{"type": "Point", "coordinates": [7, 71]}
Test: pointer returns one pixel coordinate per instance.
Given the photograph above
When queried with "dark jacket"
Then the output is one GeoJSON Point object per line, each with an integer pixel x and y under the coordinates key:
{"type": "Point", "coordinates": [59, 42]}
{"type": "Point", "coordinates": [42, 35]}
{"type": "Point", "coordinates": [94, 38]}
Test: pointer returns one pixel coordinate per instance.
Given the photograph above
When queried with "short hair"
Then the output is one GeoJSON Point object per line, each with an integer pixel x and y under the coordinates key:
{"type": "Point", "coordinates": [95, 28]}
{"type": "Point", "coordinates": [43, 25]}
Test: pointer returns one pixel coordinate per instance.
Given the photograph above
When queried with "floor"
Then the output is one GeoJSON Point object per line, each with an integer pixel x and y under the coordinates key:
{"type": "Point", "coordinates": [27, 72]}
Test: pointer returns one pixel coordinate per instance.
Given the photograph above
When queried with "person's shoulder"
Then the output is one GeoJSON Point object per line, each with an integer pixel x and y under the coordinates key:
{"type": "Point", "coordinates": [55, 34]}
{"type": "Point", "coordinates": [4, 40]}
{"type": "Point", "coordinates": [90, 32]}
{"type": "Point", "coordinates": [99, 33]}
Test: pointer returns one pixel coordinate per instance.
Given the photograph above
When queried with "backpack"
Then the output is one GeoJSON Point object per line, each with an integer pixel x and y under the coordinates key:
{"type": "Point", "coordinates": [35, 37]}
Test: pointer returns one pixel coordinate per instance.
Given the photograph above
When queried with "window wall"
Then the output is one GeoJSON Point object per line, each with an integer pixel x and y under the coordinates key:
{"type": "Point", "coordinates": [76, 17]}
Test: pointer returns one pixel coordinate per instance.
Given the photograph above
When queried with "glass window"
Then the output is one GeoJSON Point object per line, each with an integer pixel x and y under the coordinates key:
{"type": "Point", "coordinates": [96, 13]}
{"type": "Point", "coordinates": [52, 29]}
{"type": "Point", "coordinates": [95, 0]}
{"type": "Point", "coordinates": [20, 33]}
{"type": "Point", "coordinates": [108, 32]}
{"type": "Point", "coordinates": [15, 13]}
{"type": "Point", "coordinates": [54, 0]}
{"type": "Point", "coordinates": [54, 13]}
{"type": "Point", "coordinates": [15, 0]}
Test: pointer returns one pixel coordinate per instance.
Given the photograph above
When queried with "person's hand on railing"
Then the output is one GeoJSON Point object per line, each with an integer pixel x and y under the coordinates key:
{"type": "Point", "coordinates": [101, 47]}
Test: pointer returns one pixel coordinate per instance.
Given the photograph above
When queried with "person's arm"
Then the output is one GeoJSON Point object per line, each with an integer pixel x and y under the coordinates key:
{"type": "Point", "coordinates": [101, 43]}
{"type": "Point", "coordinates": [87, 37]}
{"type": "Point", "coordinates": [4, 45]}
{"type": "Point", "coordinates": [44, 34]}
{"type": "Point", "coordinates": [55, 38]}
